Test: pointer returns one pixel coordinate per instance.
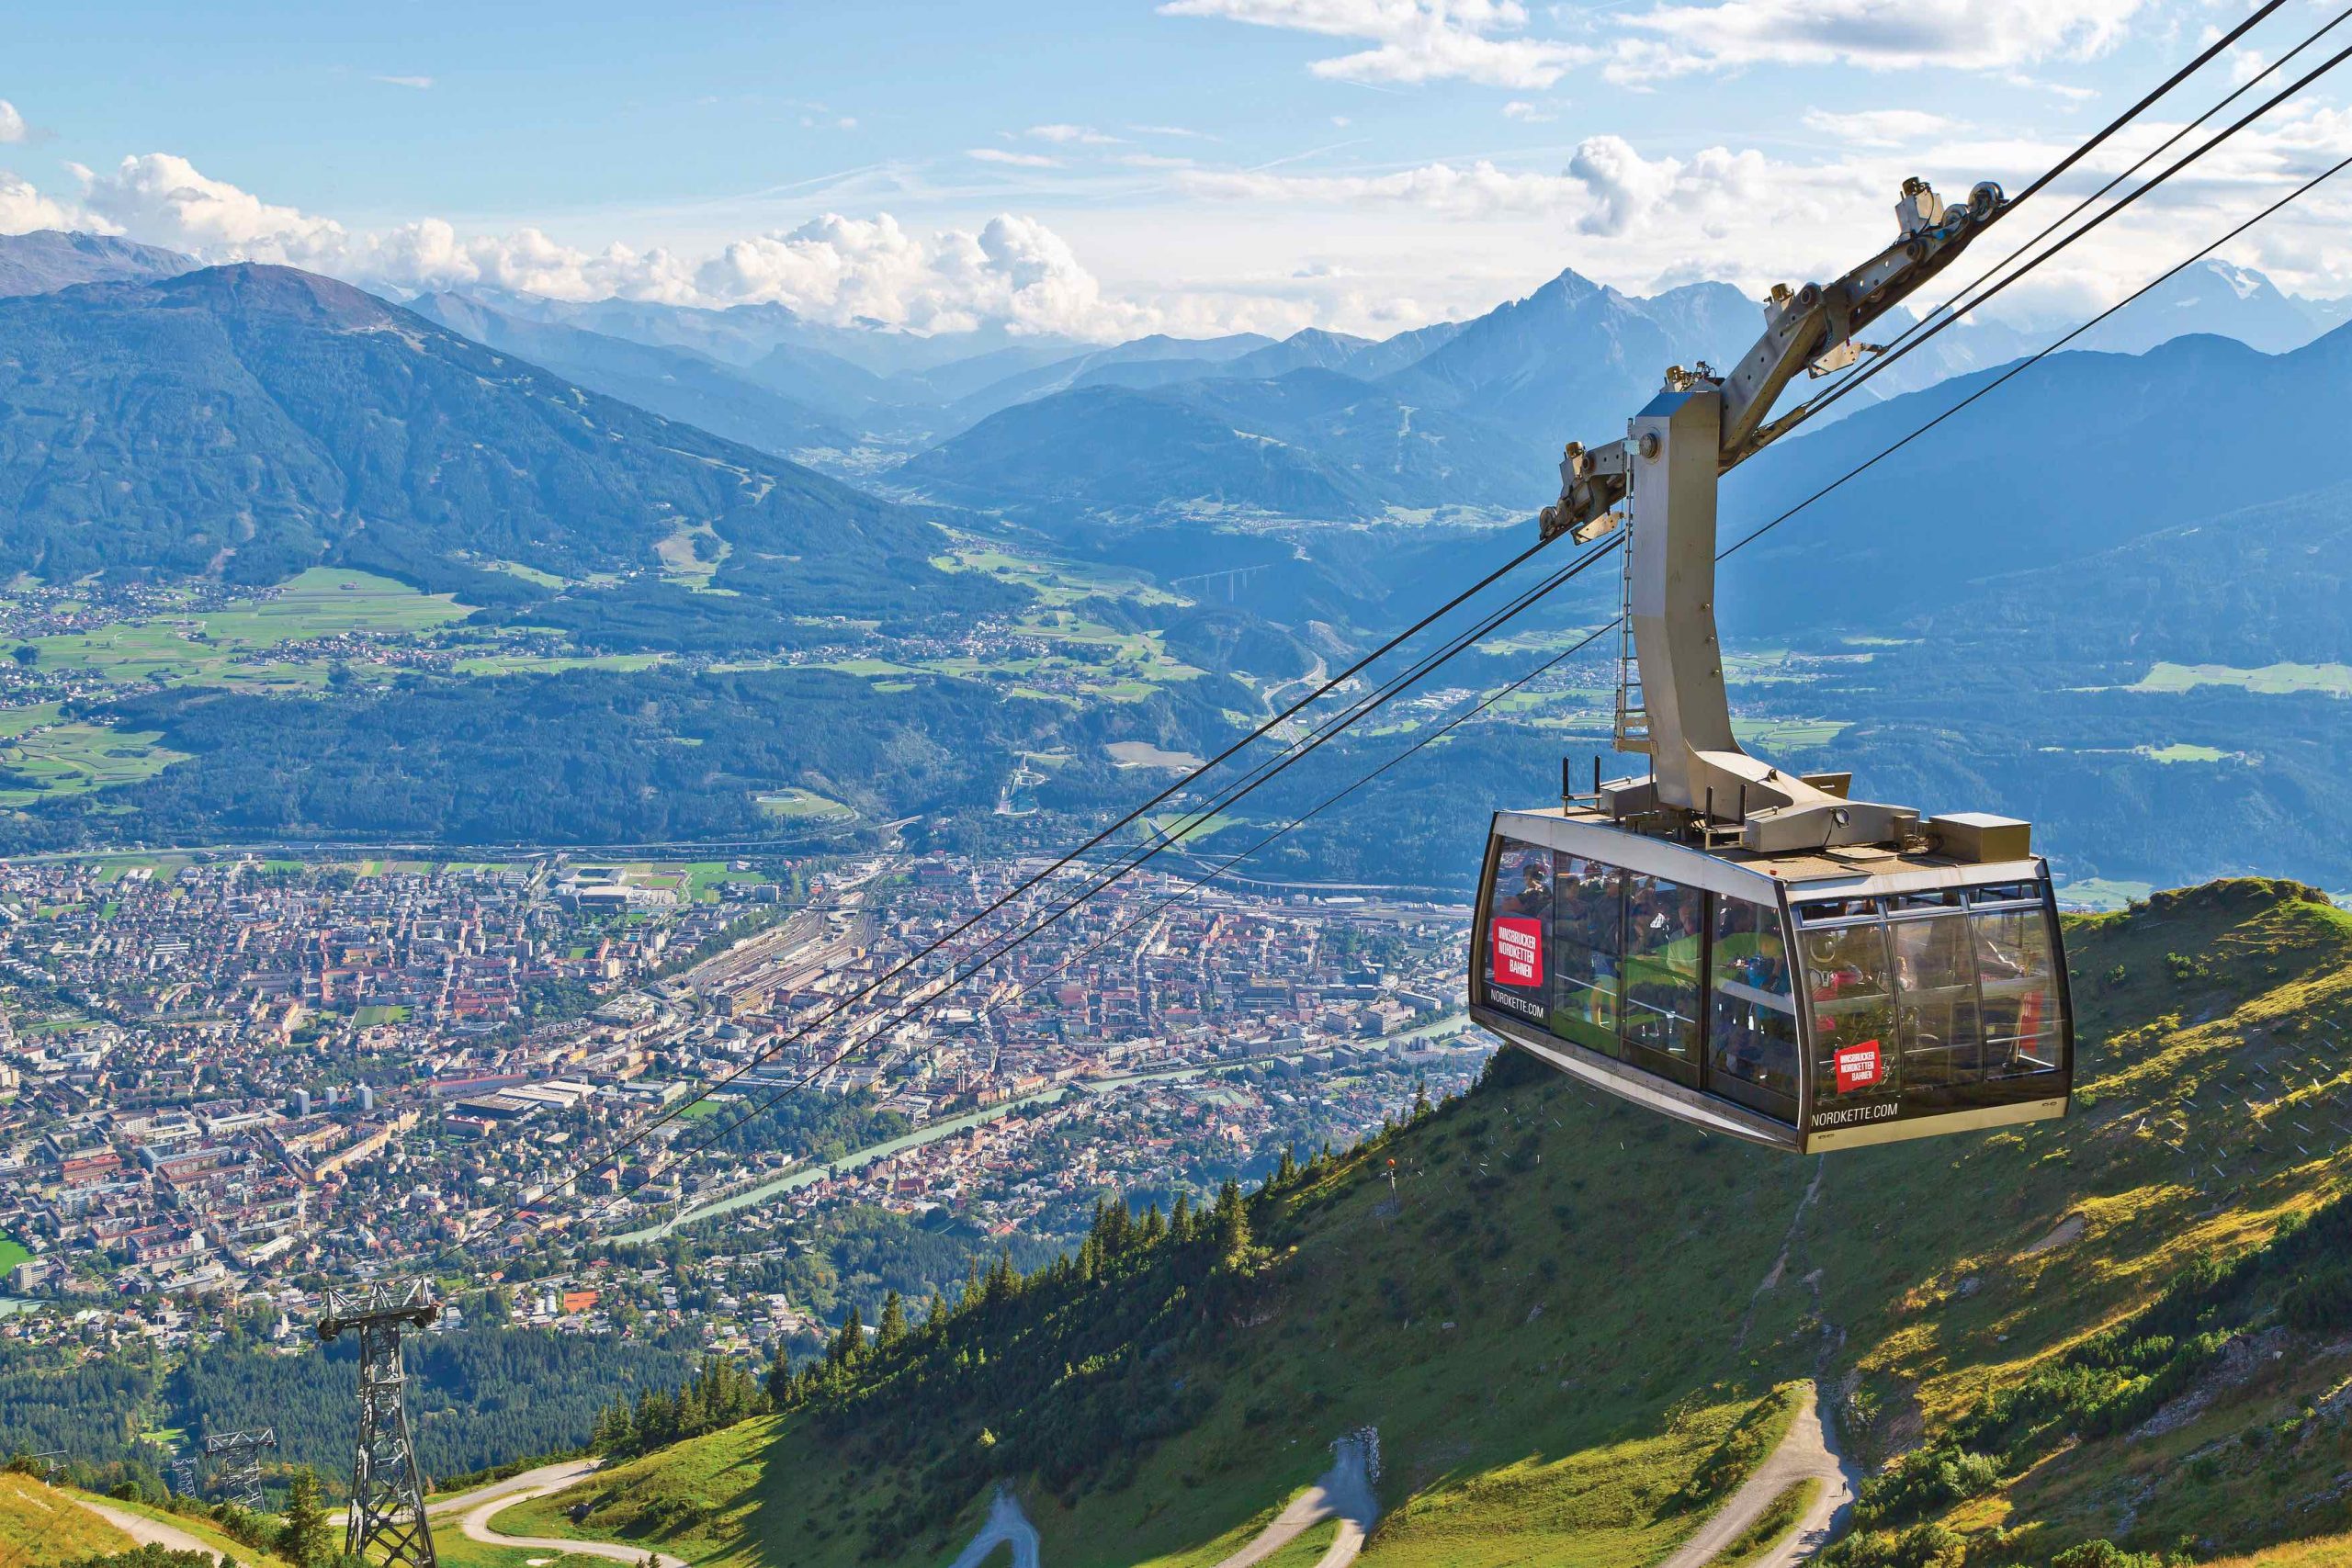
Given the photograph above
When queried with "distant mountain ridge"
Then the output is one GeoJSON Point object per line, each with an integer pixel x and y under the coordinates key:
{"type": "Point", "coordinates": [678, 383]}
{"type": "Point", "coordinates": [50, 259]}
{"type": "Point", "coordinates": [247, 422]}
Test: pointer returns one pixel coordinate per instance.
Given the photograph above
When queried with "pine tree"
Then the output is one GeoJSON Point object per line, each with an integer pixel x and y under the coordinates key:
{"type": "Point", "coordinates": [1420, 1099]}
{"type": "Point", "coordinates": [780, 1385]}
{"type": "Point", "coordinates": [850, 1343]}
{"type": "Point", "coordinates": [302, 1539]}
{"type": "Point", "coordinates": [893, 1327]}
{"type": "Point", "coordinates": [1180, 1220]}
{"type": "Point", "coordinates": [1230, 1224]}
{"type": "Point", "coordinates": [1286, 1169]}
{"type": "Point", "coordinates": [1154, 1230]}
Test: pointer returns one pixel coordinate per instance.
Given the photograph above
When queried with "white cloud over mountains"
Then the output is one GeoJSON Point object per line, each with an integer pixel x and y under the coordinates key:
{"type": "Point", "coordinates": [1013, 270]}
{"type": "Point", "coordinates": [12, 124]}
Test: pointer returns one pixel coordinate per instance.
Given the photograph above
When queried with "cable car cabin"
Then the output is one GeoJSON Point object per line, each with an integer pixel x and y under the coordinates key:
{"type": "Point", "coordinates": [1810, 1001]}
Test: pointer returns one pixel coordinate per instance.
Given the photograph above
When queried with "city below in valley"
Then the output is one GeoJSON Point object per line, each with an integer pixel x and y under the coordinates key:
{"type": "Point", "coordinates": [230, 1078]}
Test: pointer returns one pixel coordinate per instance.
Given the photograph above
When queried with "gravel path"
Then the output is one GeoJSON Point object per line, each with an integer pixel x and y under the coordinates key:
{"type": "Point", "coordinates": [1344, 1489]}
{"type": "Point", "coordinates": [144, 1530]}
{"type": "Point", "coordinates": [1805, 1451]}
{"type": "Point", "coordinates": [538, 1483]}
{"type": "Point", "coordinates": [1006, 1522]}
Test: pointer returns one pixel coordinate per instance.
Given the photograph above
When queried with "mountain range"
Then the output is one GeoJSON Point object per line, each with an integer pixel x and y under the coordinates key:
{"type": "Point", "coordinates": [246, 422]}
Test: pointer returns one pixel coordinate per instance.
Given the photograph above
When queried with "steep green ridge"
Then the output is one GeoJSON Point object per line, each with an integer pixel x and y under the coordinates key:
{"type": "Point", "coordinates": [248, 422]}
{"type": "Point", "coordinates": [1570, 1309]}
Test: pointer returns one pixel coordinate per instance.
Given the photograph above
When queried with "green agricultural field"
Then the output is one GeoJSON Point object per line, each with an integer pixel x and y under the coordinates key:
{"type": "Point", "coordinates": [205, 648]}
{"type": "Point", "coordinates": [2270, 680]}
{"type": "Point", "coordinates": [2184, 752]}
{"type": "Point", "coordinates": [795, 804]}
{"type": "Point", "coordinates": [492, 664]}
{"type": "Point", "coordinates": [1769, 735]}
{"type": "Point", "coordinates": [2104, 893]}
{"type": "Point", "coordinates": [1056, 584]}
{"type": "Point", "coordinates": [69, 758]}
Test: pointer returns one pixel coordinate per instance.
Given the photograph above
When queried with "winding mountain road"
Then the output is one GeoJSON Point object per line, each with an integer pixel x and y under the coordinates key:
{"type": "Point", "coordinates": [538, 1483]}
{"type": "Point", "coordinates": [1807, 1452]}
{"type": "Point", "coordinates": [1006, 1522]}
{"type": "Point", "coordinates": [1345, 1490]}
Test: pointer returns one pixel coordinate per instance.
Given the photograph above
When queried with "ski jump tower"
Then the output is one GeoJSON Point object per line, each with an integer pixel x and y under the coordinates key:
{"type": "Point", "coordinates": [387, 1510]}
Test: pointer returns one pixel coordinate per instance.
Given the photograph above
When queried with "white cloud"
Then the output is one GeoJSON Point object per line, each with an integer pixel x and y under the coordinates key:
{"type": "Point", "coordinates": [160, 195]}
{"type": "Point", "coordinates": [1963, 34]}
{"type": "Point", "coordinates": [1015, 271]}
{"type": "Point", "coordinates": [1017, 159]}
{"type": "Point", "coordinates": [1153, 161]}
{"type": "Point", "coordinates": [1879, 128]}
{"type": "Point", "coordinates": [1066, 135]}
{"type": "Point", "coordinates": [12, 124]}
{"type": "Point", "coordinates": [419, 83]}
{"type": "Point", "coordinates": [1342, 121]}
{"type": "Point", "coordinates": [1172, 130]}
{"type": "Point", "coordinates": [24, 210]}
{"type": "Point", "coordinates": [1412, 41]}
{"type": "Point", "coordinates": [1530, 114]}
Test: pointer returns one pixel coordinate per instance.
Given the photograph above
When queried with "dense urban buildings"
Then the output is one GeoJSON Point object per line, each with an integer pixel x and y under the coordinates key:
{"type": "Point", "coordinates": [232, 1079]}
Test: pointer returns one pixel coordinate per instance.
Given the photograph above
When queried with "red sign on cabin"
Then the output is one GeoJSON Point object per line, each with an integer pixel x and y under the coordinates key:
{"type": "Point", "coordinates": [1517, 948]}
{"type": "Point", "coordinates": [1858, 1067]}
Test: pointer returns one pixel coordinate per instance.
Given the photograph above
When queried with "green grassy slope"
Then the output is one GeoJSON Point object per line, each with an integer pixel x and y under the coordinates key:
{"type": "Point", "coordinates": [39, 1524]}
{"type": "Point", "coordinates": [1569, 1321]}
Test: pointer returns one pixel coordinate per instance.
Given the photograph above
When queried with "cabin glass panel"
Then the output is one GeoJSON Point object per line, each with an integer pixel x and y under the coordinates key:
{"type": "Point", "coordinates": [1924, 1003]}
{"type": "Point", "coordinates": [1589, 947]}
{"type": "Point", "coordinates": [1848, 976]}
{"type": "Point", "coordinates": [1516, 975]}
{"type": "Point", "coordinates": [1752, 1023]}
{"type": "Point", "coordinates": [1665, 941]}
{"type": "Point", "coordinates": [2024, 1020]}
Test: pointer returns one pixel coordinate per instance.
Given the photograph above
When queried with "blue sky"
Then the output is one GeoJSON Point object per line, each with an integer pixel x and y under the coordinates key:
{"type": "Point", "coordinates": [1111, 167]}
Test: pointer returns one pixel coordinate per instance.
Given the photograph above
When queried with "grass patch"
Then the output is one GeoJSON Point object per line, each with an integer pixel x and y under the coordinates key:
{"type": "Point", "coordinates": [793, 804]}
{"type": "Point", "coordinates": [41, 1525]}
{"type": "Point", "coordinates": [455, 1550]}
{"type": "Point", "coordinates": [1306, 1549]}
{"type": "Point", "coordinates": [12, 1252]}
{"type": "Point", "coordinates": [2183, 751]}
{"type": "Point", "coordinates": [1772, 1527]}
{"type": "Point", "coordinates": [370, 1016]}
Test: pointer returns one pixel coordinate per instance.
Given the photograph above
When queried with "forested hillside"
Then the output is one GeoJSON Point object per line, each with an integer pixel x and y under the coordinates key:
{"type": "Point", "coordinates": [1568, 1320]}
{"type": "Point", "coordinates": [248, 422]}
{"type": "Point", "coordinates": [475, 1397]}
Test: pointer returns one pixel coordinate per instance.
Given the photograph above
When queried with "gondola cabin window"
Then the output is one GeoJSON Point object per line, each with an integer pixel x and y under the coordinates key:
{"type": "Point", "coordinates": [1588, 952]}
{"type": "Point", "coordinates": [1752, 1031]}
{"type": "Point", "coordinates": [1519, 932]}
{"type": "Point", "coordinates": [1932, 1001]}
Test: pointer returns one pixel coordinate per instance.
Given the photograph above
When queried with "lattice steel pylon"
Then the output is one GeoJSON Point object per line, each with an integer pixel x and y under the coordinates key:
{"type": "Point", "coordinates": [387, 1511]}
{"type": "Point", "coordinates": [237, 1475]}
